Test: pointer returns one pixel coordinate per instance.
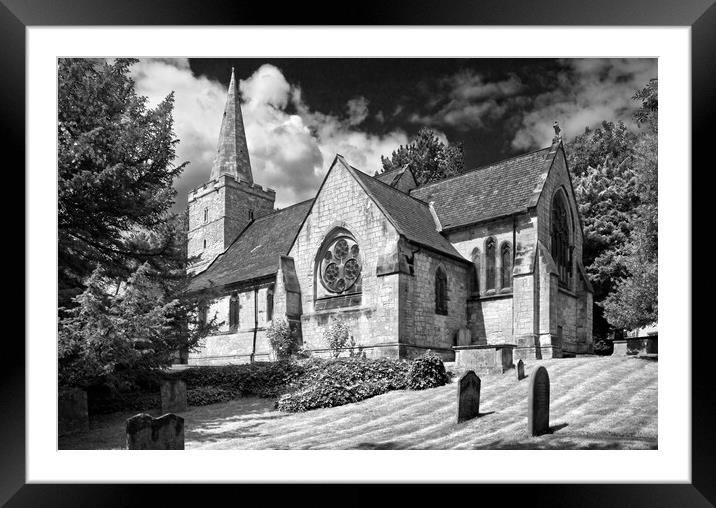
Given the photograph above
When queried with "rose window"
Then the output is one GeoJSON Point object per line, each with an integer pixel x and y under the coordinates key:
{"type": "Point", "coordinates": [341, 265]}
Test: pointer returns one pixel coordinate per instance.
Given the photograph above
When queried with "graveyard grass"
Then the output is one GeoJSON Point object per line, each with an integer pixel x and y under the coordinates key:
{"type": "Point", "coordinates": [595, 403]}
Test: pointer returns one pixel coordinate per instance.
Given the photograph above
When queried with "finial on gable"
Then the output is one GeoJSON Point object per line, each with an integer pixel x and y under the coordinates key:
{"type": "Point", "coordinates": [557, 132]}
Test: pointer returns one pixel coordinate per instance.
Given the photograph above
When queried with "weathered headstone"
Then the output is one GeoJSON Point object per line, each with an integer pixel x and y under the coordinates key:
{"type": "Point", "coordinates": [468, 396]}
{"type": "Point", "coordinates": [72, 413]}
{"type": "Point", "coordinates": [173, 392]}
{"type": "Point", "coordinates": [520, 370]}
{"type": "Point", "coordinates": [163, 433]}
{"type": "Point", "coordinates": [538, 403]}
{"type": "Point", "coordinates": [464, 338]}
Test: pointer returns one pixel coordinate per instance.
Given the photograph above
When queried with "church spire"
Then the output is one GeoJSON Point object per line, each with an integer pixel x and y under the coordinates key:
{"type": "Point", "coordinates": [232, 157]}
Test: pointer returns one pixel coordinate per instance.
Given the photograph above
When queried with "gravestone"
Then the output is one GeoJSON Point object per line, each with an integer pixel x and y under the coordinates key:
{"type": "Point", "coordinates": [538, 403]}
{"type": "Point", "coordinates": [72, 415]}
{"type": "Point", "coordinates": [464, 337]}
{"type": "Point", "coordinates": [173, 392]}
{"type": "Point", "coordinates": [468, 396]}
{"type": "Point", "coordinates": [163, 433]}
{"type": "Point", "coordinates": [520, 370]}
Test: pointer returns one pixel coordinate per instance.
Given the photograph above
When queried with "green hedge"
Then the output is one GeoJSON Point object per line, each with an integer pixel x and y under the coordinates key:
{"type": "Point", "coordinates": [343, 381]}
{"type": "Point", "coordinates": [309, 384]}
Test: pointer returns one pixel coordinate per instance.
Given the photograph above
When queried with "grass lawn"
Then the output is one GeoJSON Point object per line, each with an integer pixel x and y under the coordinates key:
{"type": "Point", "coordinates": [596, 403]}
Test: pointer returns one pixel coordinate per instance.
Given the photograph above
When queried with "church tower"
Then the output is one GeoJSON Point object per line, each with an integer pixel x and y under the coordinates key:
{"type": "Point", "coordinates": [221, 208]}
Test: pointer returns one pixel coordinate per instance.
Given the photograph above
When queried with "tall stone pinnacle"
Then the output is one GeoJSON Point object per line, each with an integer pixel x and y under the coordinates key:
{"type": "Point", "coordinates": [232, 154]}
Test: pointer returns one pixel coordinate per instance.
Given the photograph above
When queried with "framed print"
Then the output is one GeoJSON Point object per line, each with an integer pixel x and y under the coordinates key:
{"type": "Point", "coordinates": [416, 247]}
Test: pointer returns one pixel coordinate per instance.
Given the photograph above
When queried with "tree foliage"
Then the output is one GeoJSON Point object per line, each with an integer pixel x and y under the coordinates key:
{"type": "Point", "coordinates": [634, 303]}
{"type": "Point", "coordinates": [115, 174]}
{"type": "Point", "coordinates": [121, 252]}
{"type": "Point", "coordinates": [107, 337]}
{"type": "Point", "coordinates": [429, 158]}
{"type": "Point", "coordinates": [615, 183]}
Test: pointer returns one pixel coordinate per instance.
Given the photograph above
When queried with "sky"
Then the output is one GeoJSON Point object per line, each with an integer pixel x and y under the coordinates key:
{"type": "Point", "coordinates": [299, 113]}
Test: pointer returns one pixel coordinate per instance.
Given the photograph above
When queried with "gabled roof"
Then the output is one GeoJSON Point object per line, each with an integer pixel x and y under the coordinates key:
{"type": "Point", "coordinates": [496, 190]}
{"type": "Point", "coordinates": [410, 217]}
{"type": "Point", "coordinates": [255, 252]}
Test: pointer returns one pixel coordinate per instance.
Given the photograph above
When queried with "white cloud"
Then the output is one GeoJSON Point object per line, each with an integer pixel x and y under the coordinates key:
{"type": "Point", "coordinates": [289, 152]}
{"type": "Point", "coordinates": [589, 91]}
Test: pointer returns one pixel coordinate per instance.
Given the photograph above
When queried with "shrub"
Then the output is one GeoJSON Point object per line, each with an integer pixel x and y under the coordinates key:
{"type": "Point", "coordinates": [263, 379]}
{"type": "Point", "coordinates": [283, 340]}
{"type": "Point", "coordinates": [603, 347]}
{"type": "Point", "coordinates": [205, 395]}
{"type": "Point", "coordinates": [342, 381]}
{"type": "Point", "coordinates": [337, 336]}
{"type": "Point", "coordinates": [428, 371]}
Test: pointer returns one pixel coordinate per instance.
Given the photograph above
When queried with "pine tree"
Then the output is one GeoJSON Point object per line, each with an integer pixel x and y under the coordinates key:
{"type": "Point", "coordinates": [115, 174]}
{"type": "Point", "coordinates": [428, 157]}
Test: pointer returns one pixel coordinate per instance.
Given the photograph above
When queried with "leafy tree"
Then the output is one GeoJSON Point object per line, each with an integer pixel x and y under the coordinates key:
{"type": "Point", "coordinates": [634, 303]}
{"type": "Point", "coordinates": [615, 180]}
{"type": "Point", "coordinates": [429, 158]}
{"type": "Point", "coordinates": [115, 174]}
{"type": "Point", "coordinates": [602, 162]}
{"type": "Point", "coordinates": [122, 275]}
{"type": "Point", "coordinates": [108, 337]}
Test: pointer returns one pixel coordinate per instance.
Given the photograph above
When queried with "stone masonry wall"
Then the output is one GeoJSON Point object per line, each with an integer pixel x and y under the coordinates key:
{"type": "Point", "coordinates": [420, 325]}
{"type": "Point", "coordinates": [491, 312]}
{"type": "Point", "coordinates": [559, 308]}
{"type": "Point", "coordinates": [235, 346]}
{"type": "Point", "coordinates": [218, 211]}
{"type": "Point", "coordinates": [342, 202]}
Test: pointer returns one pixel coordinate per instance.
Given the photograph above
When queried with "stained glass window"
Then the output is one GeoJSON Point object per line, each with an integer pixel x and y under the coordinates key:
{"type": "Point", "coordinates": [341, 265]}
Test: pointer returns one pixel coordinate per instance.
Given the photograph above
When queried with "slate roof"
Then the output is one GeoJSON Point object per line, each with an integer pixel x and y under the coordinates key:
{"type": "Point", "coordinates": [391, 177]}
{"type": "Point", "coordinates": [489, 192]}
{"type": "Point", "coordinates": [255, 252]}
{"type": "Point", "coordinates": [411, 217]}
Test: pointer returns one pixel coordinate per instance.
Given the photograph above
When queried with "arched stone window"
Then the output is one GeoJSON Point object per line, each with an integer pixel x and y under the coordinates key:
{"type": "Point", "coordinates": [506, 266]}
{"type": "Point", "coordinates": [441, 297]}
{"type": "Point", "coordinates": [475, 272]}
{"type": "Point", "coordinates": [234, 311]}
{"type": "Point", "coordinates": [269, 303]}
{"type": "Point", "coordinates": [339, 265]}
{"type": "Point", "coordinates": [559, 237]}
{"type": "Point", "coordinates": [490, 259]}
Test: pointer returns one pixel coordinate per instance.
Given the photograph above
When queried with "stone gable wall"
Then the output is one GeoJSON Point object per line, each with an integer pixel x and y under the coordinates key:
{"type": "Point", "coordinates": [342, 202]}
{"type": "Point", "coordinates": [558, 308]}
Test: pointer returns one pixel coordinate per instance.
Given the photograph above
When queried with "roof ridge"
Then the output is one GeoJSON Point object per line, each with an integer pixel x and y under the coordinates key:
{"type": "Point", "coordinates": [391, 187]}
{"type": "Point", "coordinates": [274, 212]}
{"type": "Point", "coordinates": [479, 168]}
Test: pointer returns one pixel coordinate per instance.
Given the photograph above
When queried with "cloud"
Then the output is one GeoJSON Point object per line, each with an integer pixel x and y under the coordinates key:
{"type": "Point", "coordinates": [290, 144]}
{"type": "Point", "coordinates": [466, 100]}
{"type": "Point", "coordinates": [588, 91]}
{"type": "Point", "coordinates": [357, 110]}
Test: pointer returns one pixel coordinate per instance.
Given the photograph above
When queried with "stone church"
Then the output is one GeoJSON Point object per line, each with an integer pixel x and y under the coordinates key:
{"type": "Point", "coordinates": [492, 257]}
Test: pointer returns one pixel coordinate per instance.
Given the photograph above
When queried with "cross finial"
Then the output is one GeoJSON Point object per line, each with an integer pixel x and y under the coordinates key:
{"type": "Point", "coordinates": [557, 130]}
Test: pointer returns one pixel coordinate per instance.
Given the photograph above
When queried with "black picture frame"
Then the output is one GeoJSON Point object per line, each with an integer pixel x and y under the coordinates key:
{"type": "Point", "coordinates": [16, 15]}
